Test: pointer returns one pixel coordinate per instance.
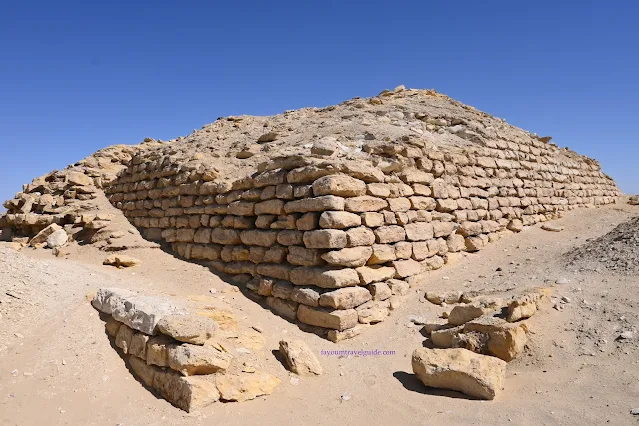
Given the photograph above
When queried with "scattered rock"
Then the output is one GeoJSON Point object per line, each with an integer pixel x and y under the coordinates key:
{"type": "Point", "coordinates": [267, 137]}
{"type": "Point", "coordinates": [245, 386]}
{"type": "Point", "coordinates": [299, 358]}
{"type": "Point", "coordinates": [121, 261]}
{"type": "Point", "coordinates": [552, 228]}
{"type": "Point", "coordinates": [479, 376]}
{"type": "Point", "coordinates": [58, 239]}
{"type": "Point", "coordinates": [42, 236]}
{"type": "Point", "coordinates": [626, 335]}
{"type": "Point", "coordinates": [461, 314]}
{"type": "Point", "coordinates": [438, 298]}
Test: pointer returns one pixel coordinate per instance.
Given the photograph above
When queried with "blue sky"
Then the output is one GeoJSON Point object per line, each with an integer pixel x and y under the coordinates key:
{"type": "Point", "coordinates": [78, 76]}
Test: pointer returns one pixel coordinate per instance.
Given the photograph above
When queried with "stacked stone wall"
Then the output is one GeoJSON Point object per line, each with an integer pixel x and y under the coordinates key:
{"type": "Point", "coordinates": [333, 243]}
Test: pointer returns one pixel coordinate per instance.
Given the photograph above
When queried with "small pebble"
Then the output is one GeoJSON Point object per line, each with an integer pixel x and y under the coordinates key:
{"type": "Point", "coordinates": [562, 281]}
{"type": "Point", "coordinates": [626, 335]}
{"type": "Point", "coordinates": [635, 411]}
{"type": "Point", "coordinates": [345, 396]}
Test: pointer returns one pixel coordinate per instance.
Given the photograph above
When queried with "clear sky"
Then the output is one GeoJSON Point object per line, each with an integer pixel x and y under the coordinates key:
{"type": "Point", "coordinates": [76, 76]}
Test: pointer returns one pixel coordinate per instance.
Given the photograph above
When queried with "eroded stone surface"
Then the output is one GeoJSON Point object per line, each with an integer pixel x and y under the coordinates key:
{"type": "Point", "coordinates": [300, 358]}
{"type": "Point", "coordinates": [479, 376]}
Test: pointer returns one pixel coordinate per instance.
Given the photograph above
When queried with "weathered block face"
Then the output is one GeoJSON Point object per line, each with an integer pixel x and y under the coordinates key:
{"type": "Point", "coordinates": [325, 217]}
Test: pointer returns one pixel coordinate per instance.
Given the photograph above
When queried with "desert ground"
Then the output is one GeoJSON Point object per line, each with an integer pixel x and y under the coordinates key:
{"type": "Point", "coordinates": [57, 365]}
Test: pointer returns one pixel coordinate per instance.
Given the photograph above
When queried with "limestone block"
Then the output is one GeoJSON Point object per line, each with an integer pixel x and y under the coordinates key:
{"type": "Point", "coordinates": [398, 287]}
{"type": "Point", "coordinates": [324, 277]}
{"type": "Point", "coordinates": [380, 291]}
{"type": "Point", "coordinates": [316, 204]}
{"type": "Point", "coordinates": [282, 307]}
{"type": "Point", "coordinates": [423, 203]}
{"type": "Point", "coordinates": [325, 238]}
{"type": "Point", "coordinates": [142, 313]}
{"type": "Point", "coordinates": [41, 237]}
{"type": "Point", "coordinates": [339, 220]}
{"type": "Point", "coordinates": [339, 319]}
{"type": "Point", "coordinates": [189, 328]}
{"type": "Point", "coordinates": [389, 234]}
{"type": "Point", "coordinates": [225, 236]}
{"type": "Point", "coordinates": [345, 298]}
{"type": "Point", "coordinates": [111, 326]}
{"type": "Point", "coordinates": [307, 222]}
{"type": "Point", "coordinates": [419, 231]}
{"type": "Point", "coordinates": [282, 289]}
{"type": "Point", "coordinates": [202, 235]}
{"type": "Point", "coordinates": [446, 205]}
{"type": "Point", "coordinates": [444, 336]}
{"type": "Point", "coordinates": [123, 338]}
{"type": "Point", "coordinates": [443, 229]}
{"type": "Point", "coordinates": [381, 253]}
{"type": "Point", "coordinates": [474, 243]}
{"type": "Point", "coordinates": [338, 184]}
{"type": "Point", "coordinates": [461, 314]}
{"type": "Point", "coordinates": [350, 257]}
{"type": "Point", "coordinates": [106, 299]}
{"type": "Point", "coordinates": [381, 190]}
{"type": "Point", "coordinates": [290, 237]}
{"type": "Point", "coordinates": [461, 370]}
{"type": "Point", "coordinates": [400, 204]}
{"type": "Point", "coordinates": [364, 203]}
{"type": "Point", "coordinates": [372, 219]}
{"type": "Point", "coordinates": [416, 176]}
{"type": "Point", "coordinates": [274, 207]}
{"type": "Point", "coordinates": [504, 340]}
{"type": "Point", "coordinates": [193, 360]}
{"type": "Point", "coordinates": [304, 257]}
{"type": "Point", "coordinates": [373, 311]}
{"type": "Point", "coordinates": [57, 239]}
{"type": "Point", "coordinates": [256, 237]}
{"type": "Point", "coordinates": [300, 359]}
{"type": "Point", "coordinates": [371, 274]}
{"type": "Point", "coordinates": [245, 386]}
{"type": "Point", "coordinates": [157, 350]}
{"type": "Point", "coordinates": [138, 344]}
{"type": "Point", "coordinates": [242, 208]}
{"type": "Point", "coordinates": [406, 268]}
{"type": "Point", "coordinates": [360, 236]}
{"type": "Point", "coordinates": [187, 393]}
{"type": "Point", "coordinates": [281, 272]}
{"type": "Point", "coordinates": [455, 243]}
{"type": "Point", "coordinates": [309, 296]}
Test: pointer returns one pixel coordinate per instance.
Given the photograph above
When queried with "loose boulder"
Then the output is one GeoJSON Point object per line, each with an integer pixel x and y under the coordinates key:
{"type": "Point", "coordinates": [479, 376]}
{"type": "Point", "coordinates": [299, 358]}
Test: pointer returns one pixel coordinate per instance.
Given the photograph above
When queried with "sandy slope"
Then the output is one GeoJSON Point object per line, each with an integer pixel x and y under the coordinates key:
{"type": "Point", "coordinates": [64, 371]}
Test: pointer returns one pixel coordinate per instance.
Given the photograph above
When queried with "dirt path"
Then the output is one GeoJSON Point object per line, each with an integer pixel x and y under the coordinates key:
{"type": "Point", "coordinates": [61, 368]}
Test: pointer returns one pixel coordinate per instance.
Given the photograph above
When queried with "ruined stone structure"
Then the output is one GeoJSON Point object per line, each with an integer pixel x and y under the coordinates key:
{"type": "Point", "coordinates": [331, 226]}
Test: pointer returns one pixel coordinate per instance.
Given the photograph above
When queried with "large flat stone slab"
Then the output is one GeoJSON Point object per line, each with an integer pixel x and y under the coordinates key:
{"type": "Point", "coordinates": [139, 312]}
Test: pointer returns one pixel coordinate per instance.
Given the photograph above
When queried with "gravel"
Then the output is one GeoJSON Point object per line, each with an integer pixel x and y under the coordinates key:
{"type": "Point", "coordinates": [617, 251]}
